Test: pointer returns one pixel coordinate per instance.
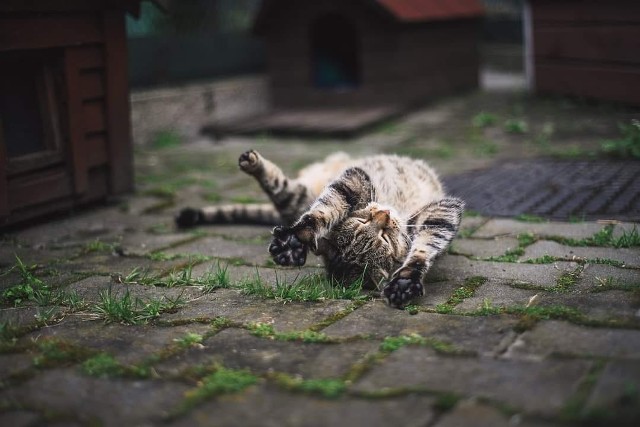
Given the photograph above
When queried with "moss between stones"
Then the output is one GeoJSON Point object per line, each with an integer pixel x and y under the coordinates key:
{"type": "Point", "coordinates": [327, 387]}
{"type": "Point", "coordinates": [467, 290]}
{"type": "Point", "coordinates": [221, 381]}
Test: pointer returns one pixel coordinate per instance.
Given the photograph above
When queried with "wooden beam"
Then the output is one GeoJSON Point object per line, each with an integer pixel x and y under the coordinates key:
{"type": "Point", "coordinates": [77, 152]}
{"type": "Point", "coordinates": [40, 32]}
{"type": "Point", "coordinates": [4, 188]}
{"type": "Point", "coordinates": [117, 100]}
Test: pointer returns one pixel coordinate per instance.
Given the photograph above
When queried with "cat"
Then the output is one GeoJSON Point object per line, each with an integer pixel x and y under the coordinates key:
{"type": "Point", "coordinates": [383, 219]}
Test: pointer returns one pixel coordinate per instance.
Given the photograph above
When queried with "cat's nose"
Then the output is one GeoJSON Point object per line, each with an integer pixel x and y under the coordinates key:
{"type": "Point", "coordinates": [381, 218]}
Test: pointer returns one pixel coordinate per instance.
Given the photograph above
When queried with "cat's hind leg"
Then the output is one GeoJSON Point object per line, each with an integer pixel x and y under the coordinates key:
{"type": "Point", "coordinates": [431, 229]}
{"type": "Point", "coordinates": [289, 197]}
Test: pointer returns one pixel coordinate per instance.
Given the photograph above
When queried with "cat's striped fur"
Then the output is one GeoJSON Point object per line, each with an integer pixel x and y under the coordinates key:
{"type": "Point", "coordinates": [384, 218]}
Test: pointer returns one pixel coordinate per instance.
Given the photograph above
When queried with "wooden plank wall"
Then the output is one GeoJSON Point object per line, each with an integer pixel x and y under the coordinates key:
{"type": "Point", "coordinates": [400, 64]}
{"type": "Point", "coordinates": [587, 48]}
{"type": "Point", "coordinates": [94, 111]}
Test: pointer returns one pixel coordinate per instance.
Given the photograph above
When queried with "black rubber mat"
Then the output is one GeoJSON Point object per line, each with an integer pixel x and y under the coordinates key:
{"type": "Point", "coordinates": [553, 189]}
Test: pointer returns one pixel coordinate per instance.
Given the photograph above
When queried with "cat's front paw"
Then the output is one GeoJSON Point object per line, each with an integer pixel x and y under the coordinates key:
{"type": "Point", "coordinates": [250, 162]}
{"type": "Point", "coordinates": [286, 249]}
{"type": "Point", "coordinates": [188, 217]}
{"type": "Point", "coordinates": [400, 290]}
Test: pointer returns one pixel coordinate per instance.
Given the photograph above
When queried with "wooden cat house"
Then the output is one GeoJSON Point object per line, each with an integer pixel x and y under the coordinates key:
{"type": "Point", "coordinates": [337, 53]}
{"type": "Point", "coordinates": [64, 105]}
{"type": "Point", "coordinates": [584, 48]}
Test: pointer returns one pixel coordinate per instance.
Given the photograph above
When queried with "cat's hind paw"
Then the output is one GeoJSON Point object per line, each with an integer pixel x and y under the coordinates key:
{"type": "Point", "coordinates": [250, 161]}
{"type": "Point", "coordinates": [188, 217]}
{"type": "Point", "coordinates": [400, 290]}
{"type": "Point", "coordinates": [286, 249]}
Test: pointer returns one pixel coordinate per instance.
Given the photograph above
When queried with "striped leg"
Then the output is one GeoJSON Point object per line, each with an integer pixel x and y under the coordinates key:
{"type": "Point", "coordinates": [351, 191]}
{"type": "Point", "coordinates": [289, 197]}
{"type": "Point", "coordinates": [432, 229]}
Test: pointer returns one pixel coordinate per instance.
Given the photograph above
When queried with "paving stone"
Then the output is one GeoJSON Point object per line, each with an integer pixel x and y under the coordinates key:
{"type": "Point", "coordinates": [284, 317]}
{"type": "Point", "coordinates": [266, 275]}
{"type": "Point", "coordinates": [450, 267]}
{"type": "Point", "coordinates": [222, 248]}
{"type": "Point", "coordinates": [497, 294]}
{"type": "Point", "coordinates": [258, 234]}
{"type": "Point", "coordinates": [621, 306]}
{"type": "Point", "coordinates": [484, 248]}
{"type": "Point", "coordinates": [508, 227]}
{"type": "Point", "coordinates": [557, 337]}
{"type": "Point", "coordinates": [102, 263]}
{"type": "Point", "coordinates": [110, 402]}
{"type": "Point", "coordinates": [630, 257]}
{"type": "Point", "coordinates": [479, 334]}
{"type": "Point", "coordinates": [18, 315]}
{"type": "Point", "coordinates": [472, 413]}
{"type": "Point", "coordinates": [267, 407]}
{"type": "Point", "coordinates": [90, 290]}
{"type": "Point", "coordinates": [141, 243]}
{"type": "Point", "coordinates": [128, 344]}
{"type": "Point", "coordinates": [239, 349]}
{"type": "Point", "coordinates": [539, 388]}
{"type": "Point", "coordinates": [12, 364]}
{"type": "Point", "coordinates": [436, 293]}
{"type": "Point", "coordinates": [86, 226]}
{"type": "Point", "coordinates": [471, 223]}
{"type": "Point", "coordinates": [31, 256]}
{"type": "Point", "coordinates": [598, 275]}
{"type": "Point", "coordinates": [617, 387]}
{"type": "Point", "coordinates": [18, 418]}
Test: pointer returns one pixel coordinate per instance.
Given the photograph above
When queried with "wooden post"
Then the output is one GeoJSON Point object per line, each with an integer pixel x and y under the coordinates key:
{"type": "Point", "coordinates": [4, 187]}
{"type": "Point", "coordinates": [78, 155]}
{"type": "Point", "coordinates": [117, 100]}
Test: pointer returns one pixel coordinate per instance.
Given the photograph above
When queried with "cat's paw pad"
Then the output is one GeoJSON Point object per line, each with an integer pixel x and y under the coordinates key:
{"type": "Point", "coordinates": [401, 290]}
{"type": "Point", "coordinates": [188, 217]}
{"type": "Point", "coordinates": [249, 161]}
{"type": "Point", "coordinates": [286, 249]}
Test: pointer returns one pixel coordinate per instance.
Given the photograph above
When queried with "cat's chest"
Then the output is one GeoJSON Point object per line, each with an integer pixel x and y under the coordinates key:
{"type": "Point", "coordinates": [405, 194]}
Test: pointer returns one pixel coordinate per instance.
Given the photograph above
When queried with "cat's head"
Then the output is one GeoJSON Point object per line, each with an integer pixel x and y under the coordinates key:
{"type": "Point", "coordinates": [369, 244]}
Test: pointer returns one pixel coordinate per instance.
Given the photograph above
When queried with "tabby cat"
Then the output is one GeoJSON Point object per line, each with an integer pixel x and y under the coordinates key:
{"type": "Point", "coordinates": [384, 218]}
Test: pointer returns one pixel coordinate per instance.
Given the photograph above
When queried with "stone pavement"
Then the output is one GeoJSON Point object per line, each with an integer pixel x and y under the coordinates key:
{"type": "Point", "coordinates": [111, 316]}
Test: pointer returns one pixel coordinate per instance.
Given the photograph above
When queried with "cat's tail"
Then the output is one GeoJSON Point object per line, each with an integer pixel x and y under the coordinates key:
{"type": "Point", "coordinates": [258, 214]}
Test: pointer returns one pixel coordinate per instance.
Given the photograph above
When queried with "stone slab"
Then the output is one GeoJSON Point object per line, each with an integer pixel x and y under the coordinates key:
{"type": "Point", "coordinates": [111, 402]}
{"type": "Point", "coordinates": [268, 407]}
{"type": "Point", "coordinates": [538, 388]}
{"type": "Point", "coordinates": [436, 293]}
{"type": "Point", "coordinates": [509, 227]}
{"type": "Point", "coordinates": [239, 349]}
{"type": "Point", "coordinates": [471, 413]}
{"type": "Point", "coordinates": [482, 248]}
{"type": "Point", "coordinates": [18, 418]}
{"type": "Point", "coordinates": [496, 293]}
{"type": "Point", "coordinates": [90, 290]}
{"type": "Point", "coordinates": [594, 275]}
{"type": "Point", "coordinates": [484, 335]}
{"type": "Point", "coordinates": [13, 364]}
{"type": "Point", "coordinates": [225, 249]}
{"type": "Point", "coordinates": [557, 337]}
{"type": "Point", "coordinates": [621, 306]}
{"type": "Point", "coordinates": [284, 317]}
{"type": "Point", "coordinates": [630, 257]}
{"type": "Point", "coordinates": [617, 387]}
{"type": "Point", "coordinates": [128, 344]}
{"type": "Point", "coordinates": [451, 267]}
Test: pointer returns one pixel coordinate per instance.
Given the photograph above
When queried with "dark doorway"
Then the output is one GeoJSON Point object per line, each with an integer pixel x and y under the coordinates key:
{"type": "Point", "coordinates": [335, 52]}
